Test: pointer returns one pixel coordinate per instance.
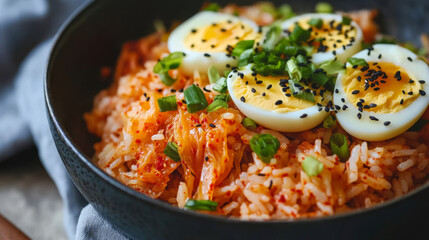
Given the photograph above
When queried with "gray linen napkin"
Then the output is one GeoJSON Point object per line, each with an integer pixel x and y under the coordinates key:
{"type": "Point", "coordinates": [23, 25]}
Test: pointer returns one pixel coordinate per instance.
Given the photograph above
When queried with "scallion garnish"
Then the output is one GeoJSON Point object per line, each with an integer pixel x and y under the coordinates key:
{"type": "Point", "coordinates": [293, 70]}
{"type": "Point", "coordinates": [221, 85]}
{"type": "Point", "coordinates": [332, 67]}
{"type": "Point", "coordinates": [340, 146]}
{"type": "Point", "coordinates": [272, 37]}
{"type": "Point", "coordinates": [265, 146]}
{"type": "Point", "coordinates": [324, 7]}
{"type": "Point", "coordinates": [358, 62]}
{"type": "Point", "coordinates": [195, 99]}
{"type": "Point", "coordinates": [319, 78]}
{"type": "Point", "coordinates": [167, 103]}
{"type": "Point", "coordinates": [311, 166]}
{"type": "Point", "coordinates": [308, 96]}
{"type": "Point", "coordinates": [213, 7]}
{"type": "Point", "coordinates": [285, 11]}
{"type": "Point", "coordinates": [249, 123]}
{"type": "Point", "coordinates": [242, 46]}
{"type": "Point", "coordinates": [213, 74]}
{"type": "Point", "coordinates": [316, 22]}
{"type": "Point", "coordinates": [245, 57]}
{"type": "Point", "coordinates": [220, 101]}
{"type": "Point", "coordinates": [203, 205]}
{"type": "Point", "coordinates": [172, 151]}
{"type": "Point", "coordinates": [223, 97]}
{"type": "Point", "coordinates": [329, 122]}
{"type": "Point", "coordinates": [172, 61]}
{"type": "Point", "coordinates": [346, 20]}
{"type": "Point", "coordinates": [299, 35]}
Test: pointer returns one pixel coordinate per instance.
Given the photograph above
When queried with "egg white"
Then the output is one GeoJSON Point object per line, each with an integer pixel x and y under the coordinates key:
{"type": "Point", "coordinates": [341, 54]}
{"type": "Point", "coordinates": [400, 121]}
{"type": "Point", "coordinates": [284, 122]}
{"type": "Point", "coordinates": [195, 60]}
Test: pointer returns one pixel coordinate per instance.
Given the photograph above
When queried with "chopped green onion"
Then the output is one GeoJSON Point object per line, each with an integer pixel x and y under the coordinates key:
{"type": "Point", "coordinates": [285, 11]}
{"type": "Point", "coordinates": [159, 25]}
{"type": "Point", "coordinates": [242, 46]}
{"type": "Point", "coordinates": [299, 35]}
{"type": "Point", "coordinates": [221, 85]}
{"type": "Point", "coordinates": [172, 61]}
{"type": "Point", "coordinates": [358, 61]}
{"type": "Point", "coordinates": [248, 123]}
{"type": "Point", "coordinates": [308, 96]}
{"type": "Point", "coordinates": [290, 50]}
{"type": "Point", "coordinates": [272, 37]}
{"type": "Point", "coordinates": [332, 67]}
{"type": "Point", "coordinates": [195, 99]}
{"type": "Point", "coordinates": [223, 97]}
{"type": "Point", "coordinates": [213, 74]}
{"type": "Point", "coordinates": [245, 57]}
{"type": "Point", "coordinates": [319, 78]}
{"type": "Point", "coordinates": [167, 103]}
{"type": "Point", "coordinates": [340, 146]}
{"type": "Point", "coordinates": [268, 7]}
{"type": "Point", "coordinates": [346, 20]}
{"type": "Point", "coordinates": [418, 125]}
{"type": "Point", "coordinates": [217, 104]}
{"type": "Point", "coordinates": [316, 22]}
{"type": "Point", "coordinates": [324, 7]}
{"type": "Point", "coordinates": [305, 72]}
{"type": "Point", "coordinates": [166, 78]}
{"type": "Point", "coordinates": [172, 151]}
{"type": "Point", "coordinates": [329, 122]}
{"type": "Point", "coordinates": [214, 7]}
{"type": "Point", "coordinates": [311, 166]}
{"type": "Point", "coordinates": [293, 70]}
{"type": "Point", "coordinates": [203, 205]}
{"type": "Point", "coordinates": [265, 146]}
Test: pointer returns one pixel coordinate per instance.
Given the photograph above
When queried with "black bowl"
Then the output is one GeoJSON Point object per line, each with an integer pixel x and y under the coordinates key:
{"type": "Point", "coordinates": [92, 38]}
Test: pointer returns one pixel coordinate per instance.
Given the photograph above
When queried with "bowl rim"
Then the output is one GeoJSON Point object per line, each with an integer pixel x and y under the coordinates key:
{"type": "Point", "coordinates": [65, 28]}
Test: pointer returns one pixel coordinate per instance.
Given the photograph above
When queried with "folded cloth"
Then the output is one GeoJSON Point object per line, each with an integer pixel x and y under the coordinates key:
{"type": "Point", "coordinates": [23, 110]}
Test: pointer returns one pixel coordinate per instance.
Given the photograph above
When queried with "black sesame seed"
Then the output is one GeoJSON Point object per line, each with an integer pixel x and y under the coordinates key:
{"type": "Point", "coordinates": [373, 118]}
{"type": "Point", "coordinates": [258, 82]}
{"type": "Point", "coordinates": [184, 101]}
{"type": "Point", "coordinates": [359, 115]}
{"type": "Point", "coordinates": [198, 125]}
{"type": "Point", "coordinates": [320, 109]}
{"type": "Point", "coordinates": [372, 105]}
{"type": "Point", "coordinates": [212, 125]}
{"type": "Point", "coordinates": [401, 102]}
{"type": "Point", "coordinates": [379, 56]}
{"type": "Point", "coordinates": [284, 89]}
{"type": "Point", "coordinates": [376, 89]}
{"type": "Point", "coordinates": [173, 90]}
{"type": "Point", "coordinates": [288, 94]}
{"type": "Point", "coordinates": [343, 100]}
{"type": "Point", "coordinates": [410, 59]}
{"type": "Point", "coordinates": [278, 102]}
{"type": "Point", "coordinates": [263, 94]}
{"type": "Point", "coordinates": [243, 99]}
{"type": "Point", "coordinates": [411, 81]}
{"type": "Point", "coordinates": [206, 55]}
{"type": "Point", "coordinates": [345, 107]}
{"type": "Point", "coordinates": [355, 92]}
{"type": "Point", "coordinates": [326, 109]}
{"type": "Point", "coordinates": [410, 93]}
{"type": "Point", "coordinates": [359, 78]}
{"type": "Point", "coordinates": [423, 93]}
{"type": "Point", "coordinates": [254, 74]}
{"type": "Point", "coordinates": [269, 87]}
{"type": "Point", "coordinates": [422, 81]}
{"type": "Point", "coordinates": [181, 90]}
{"type": "Point", "coordinates": [337, 91]}
{"type": "Point", "coordinates": [387, 123]}
{"type": "Point", "coordinates": [303, 115]}
{"type": "Point", "coordinates": [223, 30]}
{"type": "Point", "coordinates": [205, 89]}
{"type": "Point", "coordinates": [147, 99]}
{"type": "Point", "coordinates": [253, 90]}
{"type": "Point", "coordinates": [247, 82]}
{"type": "Point", "coordinates": [194, 30]}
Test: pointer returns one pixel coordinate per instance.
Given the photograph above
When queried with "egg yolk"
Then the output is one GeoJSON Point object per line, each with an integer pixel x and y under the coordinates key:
{"type": "Point", "coordinates": [219, 36]}
{"type": "Point", "coordinates": [269, 93]}
{"type": "Point", "coordinates": [382, 87]}
{"type": "Point", "coordinates": [331, 36]}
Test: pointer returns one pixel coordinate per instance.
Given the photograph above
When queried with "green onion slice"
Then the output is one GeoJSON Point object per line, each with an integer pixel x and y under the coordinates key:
{"type": "Point", "coordinates": [167, 103]}
{"type": "Point", "coordinates": [222, 97]}
{"type": "Point", "coordinates": [273, 36]}
{"type": "Point", "coordinates": [203, 205]}
{"type": "Point", "coordinates": [316, 22]}
{"type": "Point", "coordinates": [346, 20]}
{"type": "Point", "coordinates": [217, 104]}
{"type": "Point", "coordinates": [293, 70]}
{"type": "Point", "coordinates": [329, 122]}
{"type": "Point", "coordinates": [358, 62]}
{"type": "Point", "coordinates": [195, 99]}
{"type": "Point", "coordinates": [319, 78]}
{"type": "Point", "coordinates": [249, 123]}
{"type": "Point", "coordinates": [324, 7]}
{"type": "Point", "coordinates": [332, 67]}
{"type": "Point", "coordinates": [172, 151]}
{"type": "Point", "coordinates": [340, 146]}
{"type": "Point", "coordinates": [245, 57]}
{"type": "Point", "coordinates": [213, 7]}
{"type": "Point", "coordinates": [213, 74]}
{"type": "Point", "coordinates": [285, 11]}
{"type": "Point", "coordinates": [308, 96]}
{"type": "Point", "coordinates": [311, 166]}
{"type": "Point", "coordinates": [172, 61]}
{"type": "Point", "coordinates": [242, 46]}
{"type": "Point", "coordinates": [265, 146]}
{"type": "Point", "coordinates": [299, 35]}
{"type": "Point", "coordinates": [166, 78]}
{"type": "Point", "coordinates": [221, 85]}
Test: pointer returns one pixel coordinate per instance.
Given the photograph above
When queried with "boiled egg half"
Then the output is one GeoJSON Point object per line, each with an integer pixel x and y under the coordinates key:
{"type": "Point", "coordinates": [385, 98]}
{"type": "Point", "coordinates": [208, 38]}
{"type": "Point", "coordinates": [269, 101]}
{"type": "Point", "coordinates": [330, 37]}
